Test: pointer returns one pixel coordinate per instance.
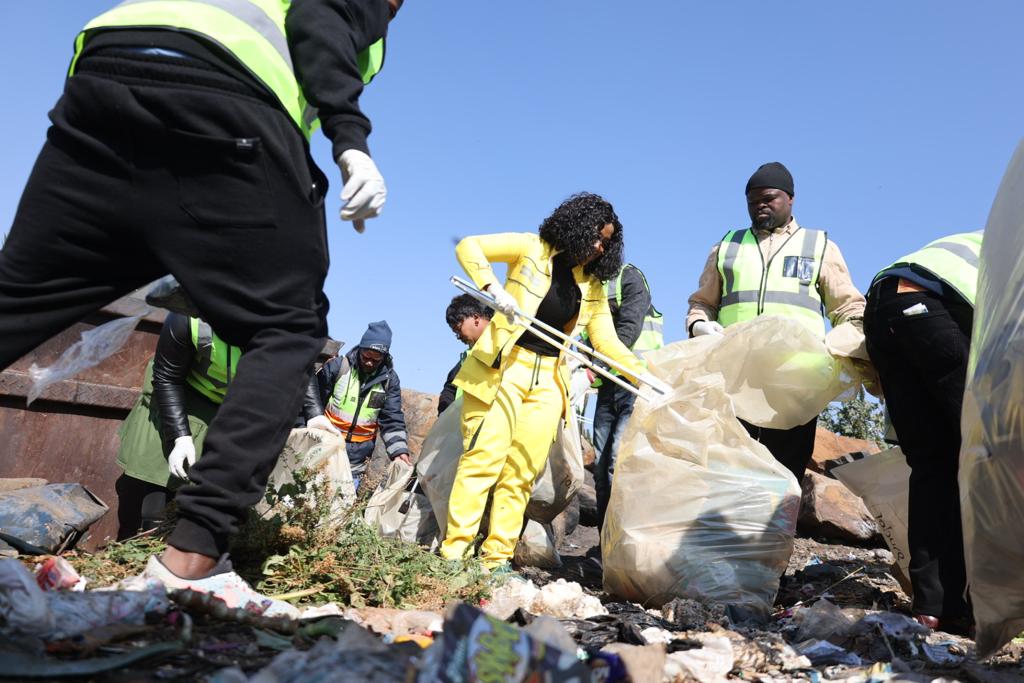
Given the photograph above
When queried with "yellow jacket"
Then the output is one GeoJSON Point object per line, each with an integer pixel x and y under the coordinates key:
{"type": "Point", "coordinates": [529, 278]}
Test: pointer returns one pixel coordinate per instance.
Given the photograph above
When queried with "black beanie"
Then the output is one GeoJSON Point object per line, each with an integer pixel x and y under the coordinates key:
{"type": "Point", "coordinates": [773, 175]}
{"type": "Point", "coordinates": [377, 337]}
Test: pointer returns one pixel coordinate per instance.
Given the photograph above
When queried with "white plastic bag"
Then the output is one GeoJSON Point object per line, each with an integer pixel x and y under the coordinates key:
{"type": "Point", "coordinates": [396, 509]}
{"type": "Point", "coordinates": [94, 347]}
{"type": "Point", "coordinates": [322, 455]}
{"type": "Point", "coordinates": [699, 509]}
{"type": "Point", "coordinates": [992, 446]}
{"type": "Point", "coordinates": [883, 482]}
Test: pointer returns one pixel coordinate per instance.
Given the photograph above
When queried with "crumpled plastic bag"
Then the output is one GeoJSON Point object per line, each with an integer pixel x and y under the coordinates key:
{"type": "Point", "coordinates": [992, 424]}
{"type": "Point", "coordinates": [315, 452]}
{"type": "Point", "coordinates": [699, 509]}
{"type": "Point", "coordinates": [777, 373]}
{"type": "Point", "coordinates": [847, 344]}
{"type": "Point", "coordinates": [94, 347]}
{"type": "Point", "coordinates": [536, 547]}
{"type": "Point", "coordinates": [556, 486]}
{"type": "Point", "coordinates": [398, 510]}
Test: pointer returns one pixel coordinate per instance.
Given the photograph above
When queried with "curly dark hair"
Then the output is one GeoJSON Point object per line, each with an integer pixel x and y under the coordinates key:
{"type": "Point", "coordinates": [575, 226]}
{"type": "Point", "coordinates": [464, 306]}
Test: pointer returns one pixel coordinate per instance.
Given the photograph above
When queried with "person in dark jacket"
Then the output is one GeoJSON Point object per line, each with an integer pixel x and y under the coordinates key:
{"type": "Point", "coordinates": [467, 318]}
{"type": "Point", "coordinates": [181, 145]}
{"type": "Point", "coordinates": [638, 325]}
{"type": "Point", "coordinates": [183, 387]}
{"type": "Point", "coordinates": [358, 395]}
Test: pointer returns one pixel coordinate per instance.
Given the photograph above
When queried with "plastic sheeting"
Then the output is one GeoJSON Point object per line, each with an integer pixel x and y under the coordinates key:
{"type": "Point", "coordinates": [992, 448]}
{"type": "Point", "coordinates": [698, 508]}
{"type": "Point", "coordinates": [46, 519]}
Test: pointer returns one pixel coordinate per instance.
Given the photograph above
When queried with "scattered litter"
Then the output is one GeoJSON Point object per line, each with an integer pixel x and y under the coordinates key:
{"type": "Point", "coordinates": [946, 653]}
{"type": "Point", "coordinates": [824, 653]}
{"type": "Point", "coordinates": [892, 624]}
{"type": "Point", "coordinates": [710, 663]}
{"type": "Point", "coordinates": [56, 573]}
{"type": "Point", "coordinates": [821, 621]}
{"type": "Point", "coordinates": [396, 621]}
{"type": "Point", "coordinates": [641, 662]}
{"type": "Point", "coordinates": [690, 615]}
{"type": "Point", "coordinates": [26, 610]}
{"type": "Point", "coordinates": [562, 599]}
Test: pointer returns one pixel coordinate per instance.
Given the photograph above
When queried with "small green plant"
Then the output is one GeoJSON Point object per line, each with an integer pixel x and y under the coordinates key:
{"type": "Point", "coordinates": [859, 418]}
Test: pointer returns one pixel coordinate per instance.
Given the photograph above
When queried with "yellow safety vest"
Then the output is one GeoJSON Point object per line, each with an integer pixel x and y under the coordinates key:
{"type": "Point", "coordinates": [952, 260]}
{"type": "Point", "coordinates": [787, 285]}
{"type": "Point", "coordinates": [356, 417]}
{"type": "Point", "coordinates": [214, 363]}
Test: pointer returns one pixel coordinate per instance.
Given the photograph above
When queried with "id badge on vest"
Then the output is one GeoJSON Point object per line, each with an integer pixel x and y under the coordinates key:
{"type": "Point", "coordinates": [800, 267]}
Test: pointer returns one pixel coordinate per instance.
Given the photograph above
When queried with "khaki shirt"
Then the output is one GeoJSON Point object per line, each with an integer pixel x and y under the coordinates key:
{"type": "Point", "coordinates": [843, 301]}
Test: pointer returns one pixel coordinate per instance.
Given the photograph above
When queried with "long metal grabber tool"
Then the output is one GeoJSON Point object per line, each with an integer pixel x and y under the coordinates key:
{"type": "Point", "coordinates": [564, 341]}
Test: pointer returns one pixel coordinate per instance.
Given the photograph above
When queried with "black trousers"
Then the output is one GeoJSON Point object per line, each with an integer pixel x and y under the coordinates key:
{"type": "Point", "coordinates": [613, 410]}
{"type": "Point", "coordinates": [922, 361]}
{"type": "Point", "coordinates": [156, 165]}
{"type": "Point", "coordinates": [791, 447]}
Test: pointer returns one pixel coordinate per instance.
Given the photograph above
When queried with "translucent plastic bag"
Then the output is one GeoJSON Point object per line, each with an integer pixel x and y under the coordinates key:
{"type": "Point", "coordinates": [536, 547]}
{"type": "Point", "coordinates": [777, 372]}
{"type": "Point", "coordinates": [557, 484]}
{"type": "Point", "coordinates": [992, 447]}
{"type": "Point", "coordinates": [322, 457]}
{"type": "Point", "coordinates": [699, 509]}
{"type": "Point", "coordinates": [396, 509]}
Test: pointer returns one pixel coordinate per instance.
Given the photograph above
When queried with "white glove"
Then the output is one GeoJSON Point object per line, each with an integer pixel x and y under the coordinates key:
{"type": "Point", "coordinates": [661, 388]}
{"type": "Point", "coordinates": [703, 327]}
{"type": "Point", "coordinates": [364, 193]}
{"type": "Point", "coordinates": [506, 303]}
{"type": "Point", "coordinates": [184, 451]}
{"type": "Point", "coordinates": [322, 422]}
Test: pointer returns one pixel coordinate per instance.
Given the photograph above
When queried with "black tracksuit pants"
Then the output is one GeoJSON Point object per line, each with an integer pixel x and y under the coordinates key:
{"type": "Point", "coordinates": [791, 447]}
{"type": "Point", "coordinates": [158, 165]}
{"type": "Point", "coordinates": [922, 362]}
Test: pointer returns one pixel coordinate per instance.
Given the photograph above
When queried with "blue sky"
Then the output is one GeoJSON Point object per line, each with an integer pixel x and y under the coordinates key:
{"type": "Point", "coordinates": [897, 120]}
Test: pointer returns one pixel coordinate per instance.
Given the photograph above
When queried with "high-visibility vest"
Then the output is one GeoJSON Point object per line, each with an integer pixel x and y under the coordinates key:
{"type": "Point", "coordinates": [952, 260]}
{"type": "Point", "coordinates": [787, 285]}
{"type": "Point", "coordinates": [652, 333]}
{"type": "Point", "coordinates": [214, 363]}
{"type": "Point", "coordinates": [253, 31]}
{"type": "Point", "coordinates": [354, 415]}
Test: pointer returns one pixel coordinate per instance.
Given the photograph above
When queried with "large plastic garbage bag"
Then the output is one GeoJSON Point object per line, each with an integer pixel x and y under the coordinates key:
{"type": "Point", "coordinates": [992, 447]}
{"type": "Point", "coordinates": [883, 482]}
{"type": "Point", "coordinates": [556, 486]}
{"type": "Point", "coordinates": [699, 509]}
{"type": "Point", "coordinates": [777, 373]}
{"type": "Point", "coordinates": [46, 519]}
{"type": "Point", "coordinates": [399, 509]}
{"type": "Point", "coordinates": [313, 462]}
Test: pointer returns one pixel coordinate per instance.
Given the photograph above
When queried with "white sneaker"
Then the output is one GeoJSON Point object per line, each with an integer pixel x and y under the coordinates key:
{"type": "Point", "coordinates": [227, 585]}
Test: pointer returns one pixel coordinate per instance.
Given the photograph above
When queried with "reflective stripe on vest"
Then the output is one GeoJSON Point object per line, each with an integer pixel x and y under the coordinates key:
{"type": "Point", "coordinates": [355, 417]}
{"type": "Point", "coordinates": [214, 363]}
{"type": "Point", "coordinates": [787, 286]}
{"type": "Point", "coordinates": [251, 30]}
{"type": "Point", "coordinates": [652, 333]}
{"type": "Point", "coordinates": [952, 260]}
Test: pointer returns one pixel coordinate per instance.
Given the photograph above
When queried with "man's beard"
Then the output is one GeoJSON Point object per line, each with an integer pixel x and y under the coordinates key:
{"type": "Point", "coordinates": [765, 223]}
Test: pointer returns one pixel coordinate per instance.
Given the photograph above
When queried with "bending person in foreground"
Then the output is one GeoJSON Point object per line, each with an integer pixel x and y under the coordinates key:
{"type": "Point", "coordinates": [514, 383]}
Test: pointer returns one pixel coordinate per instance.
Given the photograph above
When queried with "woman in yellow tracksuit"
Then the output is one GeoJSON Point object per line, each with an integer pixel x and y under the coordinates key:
{"type": "Point", "coordinates": [514, 384]}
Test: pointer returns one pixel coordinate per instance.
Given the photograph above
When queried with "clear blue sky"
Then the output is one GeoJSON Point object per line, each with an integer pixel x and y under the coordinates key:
{"type": "Point", "coordinates": [896, 118]}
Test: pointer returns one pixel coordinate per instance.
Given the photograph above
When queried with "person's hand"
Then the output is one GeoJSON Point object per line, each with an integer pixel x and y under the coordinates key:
{"type": "Point", "coordinates": [705, 327]}
{"type": "Point", "coordinates": [504, 302]}
{"type": "Point", "coordinates": [364, 192]}
{"type": "Point", "coordinates": [404, 457]}
{"type": "Point", "coordinates": [322, 422]}
{"type": "Point", "coordinates": [184, 451]}
{"type": "Point", "coordinates": [659, 386]}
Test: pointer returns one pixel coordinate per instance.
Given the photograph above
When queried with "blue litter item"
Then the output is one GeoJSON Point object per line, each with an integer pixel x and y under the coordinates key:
{"type": "Point", "coordinates": [47, 520]}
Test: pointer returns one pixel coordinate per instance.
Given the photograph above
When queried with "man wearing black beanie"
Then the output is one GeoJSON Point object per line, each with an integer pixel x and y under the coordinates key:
{"type": "Point", "coordinates": [775, 267]}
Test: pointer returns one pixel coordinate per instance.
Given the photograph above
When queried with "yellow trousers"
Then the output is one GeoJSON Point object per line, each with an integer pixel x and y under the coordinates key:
{"type": "Point", "coordinates": [506, 445]}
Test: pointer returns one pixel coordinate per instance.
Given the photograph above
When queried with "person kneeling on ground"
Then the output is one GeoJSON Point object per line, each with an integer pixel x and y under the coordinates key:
{"type": "Point", "coordinates": [514, 382]}
{"type": "Point", "coordinates": [358, 395]}
{"type": "Point", "coordinates": [184, 386]}
{"type": "Point", "coordinates": [467, 318]}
